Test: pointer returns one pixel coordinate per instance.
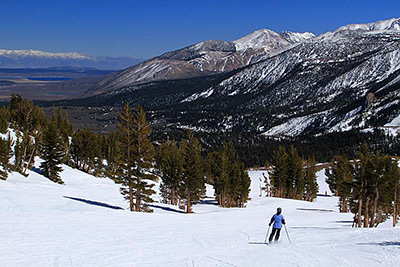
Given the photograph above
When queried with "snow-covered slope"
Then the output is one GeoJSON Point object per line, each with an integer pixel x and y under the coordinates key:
{"type": "Point", "coordinates": [41, 59]}
{"type": "Point", "coordinates": [45, 224]}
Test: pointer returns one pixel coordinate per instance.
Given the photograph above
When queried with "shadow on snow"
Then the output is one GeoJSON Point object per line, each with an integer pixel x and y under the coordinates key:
{"type": "Point", "coordinates": [165, 208]}
{"type": "Point", "coordinates": [95, 203]}
{"type": "Point", "coordinates": [385, 243]}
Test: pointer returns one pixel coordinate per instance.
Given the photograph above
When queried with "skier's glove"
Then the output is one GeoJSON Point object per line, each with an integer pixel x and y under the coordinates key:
{"type": "Point", "coordinates": [269, 224]}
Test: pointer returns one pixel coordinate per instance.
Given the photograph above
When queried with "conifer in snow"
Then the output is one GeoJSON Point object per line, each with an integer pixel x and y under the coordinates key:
{"type": "Point", "coordinates": [135, 158]}
{"type": "Point", "coordinates": [228, 177]}
{"type": "Point", "coordinates": [143, 159]}
{"type": "Point", "coordinates": [5, 155]}
{"type": "Point", "coordinates": [279, 172]}
{"type": "Point", "coordinates": [125, 155]}
{"type": "Point", "coordinates": [170, 165]}
{"type": "Point", "coordinates": [193, 184]}
{"type": "Point", "coordinates": [52, 153]}
{"type": "Point", "coordinates": [340, 180]}
{"type": "Point", "coordinates": [310, 179]}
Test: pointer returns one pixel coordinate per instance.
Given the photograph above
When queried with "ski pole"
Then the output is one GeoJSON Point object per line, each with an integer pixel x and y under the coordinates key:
{"type": "Point", "coordinates": [267, 234]}
{"type": "Point", "coordinates": [287, 234]}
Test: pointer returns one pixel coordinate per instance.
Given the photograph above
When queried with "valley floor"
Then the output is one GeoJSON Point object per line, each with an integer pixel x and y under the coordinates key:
{"type": "Point", "coordinates": [80, 224]}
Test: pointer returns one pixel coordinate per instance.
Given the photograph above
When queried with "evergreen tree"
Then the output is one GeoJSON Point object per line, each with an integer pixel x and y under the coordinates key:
{"type": "Point", "coordinates": [363, 171]}
{"type": "Point", "coordinates": [310, 177]}
{"type": "Point", "coordinates": [5, 155]}
{"type": "Point", "coordinates": [192, 186]}
{"type": "Point", "coordinates": [340, 180]}
{"type": "Point", "coordinates": [279, 173]}
{"type": "Point", "coordinates": [28, 121]}
{"type": "Point", "coordinates": [85, 151]}
{"type": "Point", "coordinates": [110, 154]}
{"type": "Point", "coordinates": [52, 153]}
{"type": "Point", "coordinates": [295, 178]}
{"type": "Point", "coordinates": [125, 154]}
{"type": "Point", "coordinates": [394, 184]}
{"type": "Point", "coordinates": [143, 153]}
{"type": "Point", "coordinates": [5, 117]}
{"type": "Point", "coordinates": [170, 164]}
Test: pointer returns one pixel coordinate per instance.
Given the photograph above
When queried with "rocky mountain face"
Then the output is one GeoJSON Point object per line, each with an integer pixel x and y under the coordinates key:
{"type": "Point", "coordinates": [349, 78]}
{"type": "Point", "coordinates": [202, 59]}
{"type": "Point", "coordinates": [40, 59]}
{"type": "Point", "coordinates": [340, 80]}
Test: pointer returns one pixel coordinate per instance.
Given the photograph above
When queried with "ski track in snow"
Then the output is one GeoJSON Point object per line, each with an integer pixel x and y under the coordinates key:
{"type": "Point", "coordinates": [41, 227]}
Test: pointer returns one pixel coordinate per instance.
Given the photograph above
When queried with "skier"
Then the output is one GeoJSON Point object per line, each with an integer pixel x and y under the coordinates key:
{"type": "Point", "coordinates": [278, 220]}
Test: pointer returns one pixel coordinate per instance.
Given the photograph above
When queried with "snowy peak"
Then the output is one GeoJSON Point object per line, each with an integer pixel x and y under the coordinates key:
{"type": "Point", "coordinates": [41, 59]}
{"type": "Point", "coordinates": [214, 45]}
{"type": "Point", "coordinates": [261, 39]}
{"type": "Point", "coordinates": [199, 49]}
{"type": "Point", "coordinates": [383, 25]}
{"type": "Point", "coordinates": [37, 53]}
{"type": "Point", "coordinates": [295, 37]}
{"type": "Point", "coordinates": [270, 40]}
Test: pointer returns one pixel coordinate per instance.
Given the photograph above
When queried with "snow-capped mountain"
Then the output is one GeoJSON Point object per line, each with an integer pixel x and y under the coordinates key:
{"type": "Point", "coordinates": [383, 25]}
{"type": "Point", "coordinates": [340, 80]}
{"type": "Point", "coordinates": [204, 58]}
{"type": "Point", "coordinates": [269, 41]}
{"type": "Point", "coordinates": [41, 59]}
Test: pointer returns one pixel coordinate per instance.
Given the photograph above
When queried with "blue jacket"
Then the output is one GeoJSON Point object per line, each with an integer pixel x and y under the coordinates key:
{"type": "Point", "coordinates": [278, 220]}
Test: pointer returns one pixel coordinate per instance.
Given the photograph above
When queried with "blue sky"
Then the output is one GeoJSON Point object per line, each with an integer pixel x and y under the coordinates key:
{"type": "Point", "coordinates": [148, 28]}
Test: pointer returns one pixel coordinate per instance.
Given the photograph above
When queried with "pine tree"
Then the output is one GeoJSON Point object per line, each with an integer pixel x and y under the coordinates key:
{"type": "Point", "coordinates": [279, 173]}
{"type": "Point", "coordinates": [310, 177]}
{"type": "Point", "coordinates": [340, 180]}
{"type": "Point", "coordinates": [110, 150]}
{"type": "Point", "coordinates": [245, 186]}
{"type": "Point", "coordinates": [363, 171]}
{"type": "Point", "coordinates": [192, 186]}
{"type": "Point", "coordinates": [295, 178]}
{"type": "Point", "coordinates": [394, 184]}
{"type": "Point", "coordinates": [170, 164]}
{"type": "Point", "coordinates": [125, 154]}
{"type": "Point", "coordinates": [143, 153]}
{"type": "Point", "coordinates": [28, 121]}
{"type": "Point", "coordinates": [5, 155]}
{"type": "Point", "coordinates": [52, 153]}
{"type": "Point", "coordinates": [85, 151]}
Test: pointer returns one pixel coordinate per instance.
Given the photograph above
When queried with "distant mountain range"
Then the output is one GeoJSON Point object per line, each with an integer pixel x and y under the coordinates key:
{"type": "Point", "coordinates": [40, 59]}
{"type": "Point", "coordinates": [204, 58]}
{"type": "Point", "coordinates": [285, 84]}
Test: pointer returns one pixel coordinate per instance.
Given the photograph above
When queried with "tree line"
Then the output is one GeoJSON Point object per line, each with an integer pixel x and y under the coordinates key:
{"type": "Point", "coordinates": [127, 156]}
{"type": "Point", "coordinates": [292, 177]}
{"type": "Point", "coordinates": [368, 186]}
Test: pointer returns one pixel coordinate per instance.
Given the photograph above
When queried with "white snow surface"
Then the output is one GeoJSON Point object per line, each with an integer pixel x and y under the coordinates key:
{"type": "Point", "coordinates": [40, 227]}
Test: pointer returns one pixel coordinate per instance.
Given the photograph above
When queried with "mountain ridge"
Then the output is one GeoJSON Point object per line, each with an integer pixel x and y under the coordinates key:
{"type": "Point", "coordinates": [40, 59]}
{"type": "Point", "coordinates": [202, 59]}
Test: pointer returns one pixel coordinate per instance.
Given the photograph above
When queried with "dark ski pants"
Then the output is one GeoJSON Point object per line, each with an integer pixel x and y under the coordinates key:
{"type": "Point", "coordinates": [276, 231]}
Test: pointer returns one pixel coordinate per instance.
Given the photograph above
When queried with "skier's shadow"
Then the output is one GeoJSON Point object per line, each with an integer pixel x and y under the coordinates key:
{"type": "Point", "coordinates": [95, 203]}
{"type": "Point", "coordinates": [386, 243]}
